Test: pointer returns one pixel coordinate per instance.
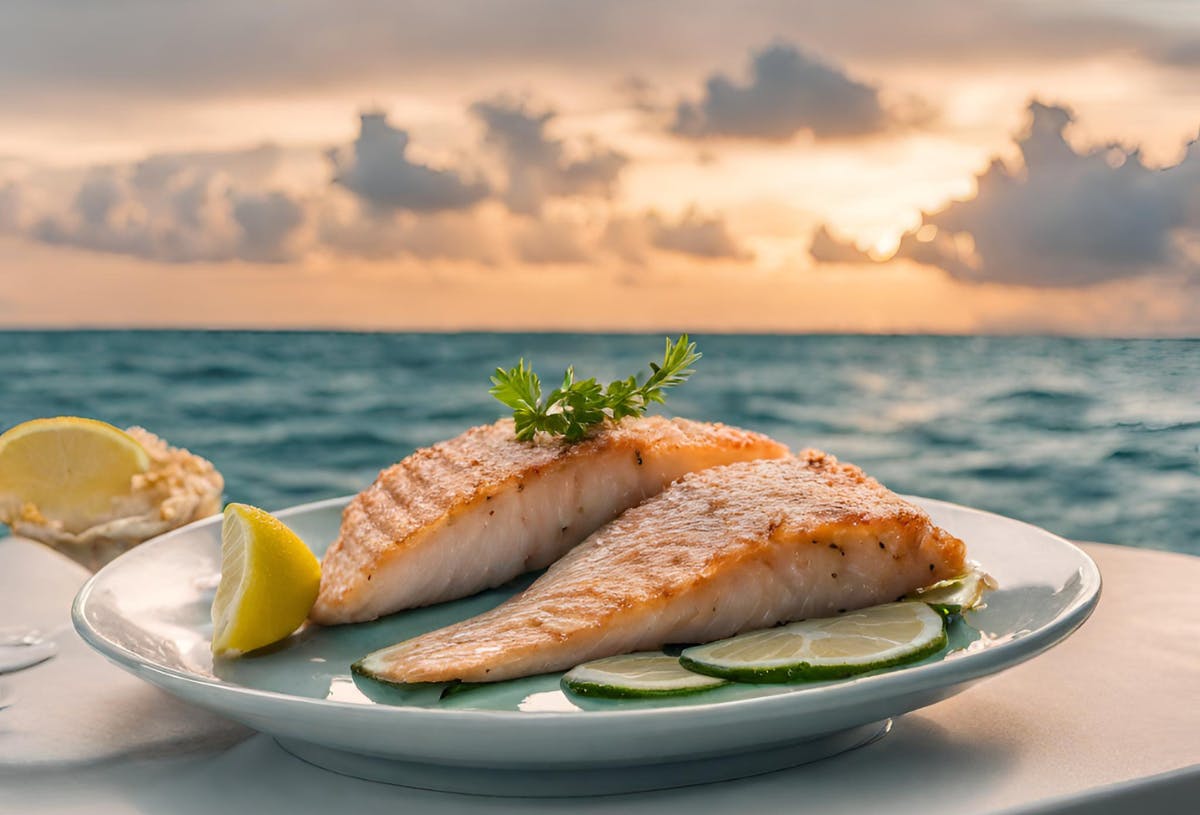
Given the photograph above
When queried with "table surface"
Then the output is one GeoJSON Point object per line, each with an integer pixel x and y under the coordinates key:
{"type": "Point", "coordinates": [1110, 716]}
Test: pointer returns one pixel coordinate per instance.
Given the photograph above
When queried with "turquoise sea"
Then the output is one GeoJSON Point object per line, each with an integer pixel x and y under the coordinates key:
{"type": "Point", "coordinates": [1093, 439]}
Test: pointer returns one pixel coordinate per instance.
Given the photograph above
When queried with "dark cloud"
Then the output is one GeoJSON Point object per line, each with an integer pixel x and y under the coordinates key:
{"type": "Point", "coordinates": [1067, 217]}
{"type": "Point", "coordinates": [192, 200]}
{"type": "Point", "coordinates": [378, 171]}
{"type": "Point", "coordinates": [267, 222]}
{"type": "Point", "coordinates": [787, 92]}
{"type": "Point", "coordinates": [539, 166]}
{"type": "Point", "coordinates": [828, 249]}
{"type": "Point", "coordinates": [97, 198]}
{"type": "Point", "coordinates": [537, 169]}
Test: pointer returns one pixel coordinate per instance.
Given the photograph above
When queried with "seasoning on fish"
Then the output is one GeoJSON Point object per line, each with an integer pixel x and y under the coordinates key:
{"type": "Point", "coordinates": [475, 511]}
{"type": "Point", "coordinates": [723, 551]}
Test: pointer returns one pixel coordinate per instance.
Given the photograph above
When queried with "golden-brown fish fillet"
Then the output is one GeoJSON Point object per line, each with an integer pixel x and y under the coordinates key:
{"type": "Point", "coordinates": [474, 512]}
{"type": "Point", "coordinates": [727, 550]}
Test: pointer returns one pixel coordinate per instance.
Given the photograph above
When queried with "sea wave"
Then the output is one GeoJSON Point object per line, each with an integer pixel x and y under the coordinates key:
{"type": "Point", "coordinates": [1093, 439]}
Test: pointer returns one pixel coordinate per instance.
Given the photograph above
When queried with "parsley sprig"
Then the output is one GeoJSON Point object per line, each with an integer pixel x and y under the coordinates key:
{"type": "Point", "coordinates": [576, 406]}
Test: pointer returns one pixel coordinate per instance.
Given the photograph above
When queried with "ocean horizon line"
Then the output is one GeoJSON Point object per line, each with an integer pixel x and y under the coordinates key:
{"type": "Point", "coordinates": [613, 332]}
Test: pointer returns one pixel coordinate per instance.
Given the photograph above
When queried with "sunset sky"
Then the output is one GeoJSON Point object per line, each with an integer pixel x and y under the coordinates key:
{"type": "Point", "coordinates": [933, 165]}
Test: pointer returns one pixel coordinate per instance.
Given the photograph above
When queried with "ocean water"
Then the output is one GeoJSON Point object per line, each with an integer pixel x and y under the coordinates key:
{"type": "Point", "coordinates": [1093, 439]}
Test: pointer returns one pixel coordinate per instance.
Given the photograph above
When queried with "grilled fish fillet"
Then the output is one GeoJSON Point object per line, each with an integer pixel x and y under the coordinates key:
{"type": "Point", "coordinates": [722, 551]}
{"type": "Point", "coordinates": [474, 512]}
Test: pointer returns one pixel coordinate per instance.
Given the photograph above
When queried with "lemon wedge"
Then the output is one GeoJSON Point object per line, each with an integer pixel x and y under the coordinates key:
{"type": "Point", "coordinates": [269, 581]}
{"type": "Point", "coordinates": [70, 469]}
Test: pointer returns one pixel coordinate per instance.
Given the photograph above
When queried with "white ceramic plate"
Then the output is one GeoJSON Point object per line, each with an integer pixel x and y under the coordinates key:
{"type": "Point", "coordinates": [148, 612]}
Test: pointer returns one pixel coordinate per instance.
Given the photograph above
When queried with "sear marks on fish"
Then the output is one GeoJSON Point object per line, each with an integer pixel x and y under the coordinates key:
{"type": "Point", "coordinates": [475, 511]}
{"type": "Point", "coordinates": [730, 549]}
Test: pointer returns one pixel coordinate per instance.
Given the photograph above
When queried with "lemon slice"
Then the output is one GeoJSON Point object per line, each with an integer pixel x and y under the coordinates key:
{"type": "Point", "coordinates": [958, 594]}
{"type": "Point", "coordinates": [269, 581]}
{"type": "Point", "coordinates": [69, 468]}
{"type": "Point", "coordinates": [650, 673]}
{"type": "Point", "coordinates": [827, 648]}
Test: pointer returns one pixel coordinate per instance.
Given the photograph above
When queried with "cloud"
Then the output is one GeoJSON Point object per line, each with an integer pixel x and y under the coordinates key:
{"type": "Point", "coordinates": [98, 198]}
{"type": "Point", "coordinates": [378, 203]}
{"type": "Point", "coordinates": [636, 239]}
{"type": "Point", "coordinates": [191, 201]}
{"type": "Point", "coordinates": [1067, 217]}
{"type": "Point", "coordinates": [539, 166]}
{"type": "Point", "coordinates": [379, 172]}
{"type": "Point", "coordinates": [826, 248]}
{"type": "Point", "coordinates": [267, 221]}
{"type": "Point", "coordinates": [696, 235]}
{"type": "Point", "coordinates": [348, 228]}
{"type": "Point", "coordinates": [490, 235]}
{"type": "Point", "coordinates": [787, 92]}
{"type": "Point", "coordinates": [398, 200]}
{"type": "Point", "coordinates": [251, 166]}
{"type": "Point", "coordinates": [11, 207]}
{"type": "Point", "coordinates": [554, 241]}
{"type": "Point", "coordinates": [1183, 54]}
{"type": "Point", "coordinates": [693, 233]}
{"type": "Point", "coordinates": [106, 216]}
{"type": "Point", "coordinates": [641, 94]}
{"type": "Point", "coordinates": [143, 52]}
{"type": "Point", "coordinates": [179, 213]}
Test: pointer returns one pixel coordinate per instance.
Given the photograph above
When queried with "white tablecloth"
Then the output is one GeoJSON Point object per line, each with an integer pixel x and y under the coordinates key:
{"type": "Point", "coordinates": [1106, 722]}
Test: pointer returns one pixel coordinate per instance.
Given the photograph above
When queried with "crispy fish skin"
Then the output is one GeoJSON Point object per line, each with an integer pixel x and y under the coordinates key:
{"type": "Point", "coordinates": [475, 511]}
{"type": "Point", "coordinates": [730, 549]}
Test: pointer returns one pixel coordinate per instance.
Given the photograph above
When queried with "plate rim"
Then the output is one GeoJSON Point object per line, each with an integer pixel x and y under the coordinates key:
{"type": "Point", "coordinates": [849, 694]}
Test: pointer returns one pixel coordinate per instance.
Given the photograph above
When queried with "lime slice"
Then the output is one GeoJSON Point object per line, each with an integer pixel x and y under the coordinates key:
{"type": "Point", "coordinates": [269, 582]}
{"type": "Point", "coordinates": [827, 648]}
{"type": "Point", "coordinates": [956, 595]}
{"type": "Point", "coordinates": [650, 673]}
{"type": "Point", "coordinates": [70, 469]}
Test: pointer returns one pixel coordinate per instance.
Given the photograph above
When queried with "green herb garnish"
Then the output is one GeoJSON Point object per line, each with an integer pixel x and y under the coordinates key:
{"type": "Point", "coordinates": [575, 407]}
